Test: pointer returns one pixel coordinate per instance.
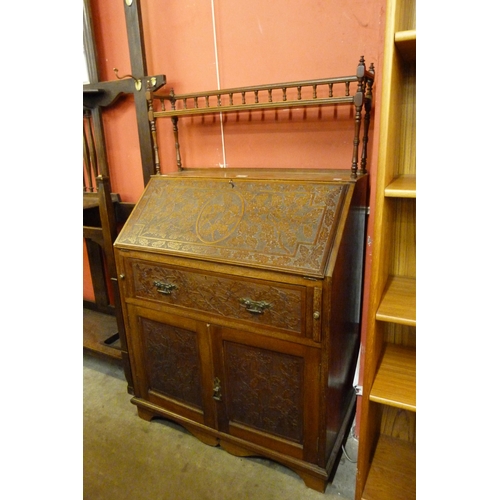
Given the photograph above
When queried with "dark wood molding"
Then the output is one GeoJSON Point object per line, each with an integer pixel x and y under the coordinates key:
{"type": "Point", "coordinates": [133, 18]}
{"type": "Point", "coordinates": [105, 94]}
{"type": "Point", "coordinates": [138, 63]}
{"type": "Point", "coordinates": [89, 43]}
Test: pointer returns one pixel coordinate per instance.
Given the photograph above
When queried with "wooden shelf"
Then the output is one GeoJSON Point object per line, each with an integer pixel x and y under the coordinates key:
{"type": "Point", "coordinates": [399, 304]}
{"type": "Point", "coordinates": [392, 473]}
{"type": "Point", "coordinates": [395, 382]}
{"type": "Point", "coordinates": [404, 186]}
{"type": "Point", "coordinates": [386, 456]}
{"type": "Point", "coordinates": [406, 43]}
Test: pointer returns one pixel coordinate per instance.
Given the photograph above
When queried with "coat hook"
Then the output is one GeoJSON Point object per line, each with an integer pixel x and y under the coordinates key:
{"type": "Point", "coordinates": [138, 83]}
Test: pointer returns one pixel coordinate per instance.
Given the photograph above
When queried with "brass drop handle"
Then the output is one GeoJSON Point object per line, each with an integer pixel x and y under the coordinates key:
{"type": "Point", "coordinates": [217, 390]}
{"type": "Point", "coordinates": [165, 288]}
{"type": "Point", "coordinates": [255, 306]}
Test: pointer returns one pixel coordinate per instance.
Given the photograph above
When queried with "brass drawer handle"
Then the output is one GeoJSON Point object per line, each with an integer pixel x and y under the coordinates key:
{"type": "Point", "coordinates": [165, 288]}
{"type": "Point", "coordinates": [255, 306]}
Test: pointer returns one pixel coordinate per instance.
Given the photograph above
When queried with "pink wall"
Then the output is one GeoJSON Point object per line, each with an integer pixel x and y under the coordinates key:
{"type": "Point", "coordinates": [261, 42]}
{"type": "Point", "coordinates": [257, 42]}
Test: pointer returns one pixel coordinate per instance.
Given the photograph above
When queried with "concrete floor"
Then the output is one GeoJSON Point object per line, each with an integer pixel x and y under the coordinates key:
{"type": "Point", "coordinates": [125, 457]}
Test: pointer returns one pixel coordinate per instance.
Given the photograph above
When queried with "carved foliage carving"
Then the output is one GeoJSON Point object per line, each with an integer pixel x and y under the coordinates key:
{"type": "Point", "coordinates": [172, 361]}
{"type": "Point", "coordinates": [283, 225]}
{"type": "Point", "coordinates": [265, 390]}
{"type": "Point", "coordinates": [220, 295]}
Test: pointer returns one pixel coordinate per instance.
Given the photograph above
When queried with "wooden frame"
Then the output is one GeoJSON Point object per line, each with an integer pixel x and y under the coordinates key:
{"type": "Point", "coordinates": [201, 103]}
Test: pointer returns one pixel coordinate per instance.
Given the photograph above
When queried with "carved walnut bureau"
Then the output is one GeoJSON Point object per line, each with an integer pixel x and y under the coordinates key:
{"type": "Point", "coordinates": [241, 294]}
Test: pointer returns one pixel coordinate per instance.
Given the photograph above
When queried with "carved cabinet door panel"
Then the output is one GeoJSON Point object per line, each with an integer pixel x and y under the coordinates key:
{"type": "Point", "coordinates": [171, 356]}
{"type": "Point", "coordinates": [268, 391]}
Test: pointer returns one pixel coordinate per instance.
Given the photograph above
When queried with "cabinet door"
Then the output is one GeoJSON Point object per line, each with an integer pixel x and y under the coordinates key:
{"type": "Point", "coordinates": [172, 365]}
{"type": "Point", "coordinates": [269, 391]}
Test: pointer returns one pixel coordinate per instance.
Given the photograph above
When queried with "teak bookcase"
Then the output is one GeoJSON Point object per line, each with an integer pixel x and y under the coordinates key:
{"type": "Point", "coordinates": [386, 459]}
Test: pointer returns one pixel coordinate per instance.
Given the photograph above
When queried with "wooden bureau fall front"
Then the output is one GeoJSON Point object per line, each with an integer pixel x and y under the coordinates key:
{"type": "Point", "coordinates": [241, 292]}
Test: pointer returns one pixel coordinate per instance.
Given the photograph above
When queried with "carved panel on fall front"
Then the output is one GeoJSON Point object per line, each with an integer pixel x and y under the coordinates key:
{"type": "Point", "coordinates": [172, 361]}
{"type": "Point", "coordinates": [265, 390]}
{"type": "Point", "coordinates": [286, 225]}
{"type": "Point", "coordinates": [278, 306]}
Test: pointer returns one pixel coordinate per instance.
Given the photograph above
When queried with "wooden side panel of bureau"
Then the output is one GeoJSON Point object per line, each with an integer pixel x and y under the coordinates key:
{"type": "Point", "coordinates": [242, 298]}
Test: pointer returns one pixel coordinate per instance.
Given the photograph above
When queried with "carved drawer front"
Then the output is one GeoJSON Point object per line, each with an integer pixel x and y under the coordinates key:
{"type": "Point", "coordinates": [259, 302]}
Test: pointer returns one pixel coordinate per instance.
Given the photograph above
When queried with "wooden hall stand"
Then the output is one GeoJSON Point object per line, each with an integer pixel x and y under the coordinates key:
{"type": "Point", "coordinates": [241, 288]}
{"type": "Point", "coordinates": [102, 321]}
{"type": "Point", "coordinates": [103, 330]}
{"type": "Point", "coordinates": [103, 211]}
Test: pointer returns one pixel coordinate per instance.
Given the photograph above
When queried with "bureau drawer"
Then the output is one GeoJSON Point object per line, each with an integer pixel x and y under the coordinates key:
{"type": "Point", "coordinates": [277, 305]}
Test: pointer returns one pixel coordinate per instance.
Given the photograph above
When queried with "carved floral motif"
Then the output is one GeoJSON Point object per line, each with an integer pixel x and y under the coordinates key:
{"type": "Point", "coordinates": [286, 225]}
{"type": "Point", "coordinates": [220, 295]}
{"type": "Point", "coordinates": [172, 361]}
{"type": "Point", "coordinates": [265, 390]}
